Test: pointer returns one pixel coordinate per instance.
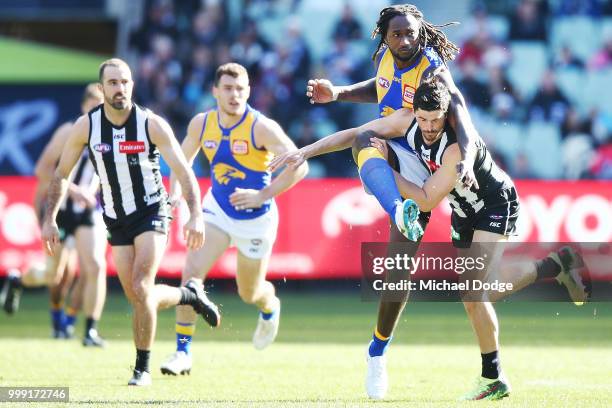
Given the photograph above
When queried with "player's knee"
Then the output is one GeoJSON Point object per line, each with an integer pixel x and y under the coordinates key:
{"type": "Point", "coordinates": [140, 291]}
{"type": "Point", "coordinates": [95, 267]}
{"type": "Point", "coordinates": [362, 141]}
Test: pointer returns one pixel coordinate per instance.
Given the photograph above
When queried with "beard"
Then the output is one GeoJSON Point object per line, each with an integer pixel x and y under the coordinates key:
{"type": "Point", "coordinates": [399, 57]}
{"type": "Point", "coordinates": [119, 104]}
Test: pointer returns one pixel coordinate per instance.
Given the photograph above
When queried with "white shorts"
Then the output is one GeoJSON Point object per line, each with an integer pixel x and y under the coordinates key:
{"type": "Point", "coordinates": [411, 167]}
{"type": "Point", "coordinates": [254, 238]}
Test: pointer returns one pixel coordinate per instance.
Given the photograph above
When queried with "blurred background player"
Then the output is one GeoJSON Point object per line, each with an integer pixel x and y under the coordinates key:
{"type": "Point", "coordinates": [125, 142]}
{"type": "Point", "coordinates": [79, 221]}
{"type": "Point", "coordinates": [239, 209]}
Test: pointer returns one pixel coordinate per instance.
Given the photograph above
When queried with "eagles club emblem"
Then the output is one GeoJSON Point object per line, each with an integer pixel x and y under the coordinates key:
{"type": "Point", "coordinates": [224, 173]}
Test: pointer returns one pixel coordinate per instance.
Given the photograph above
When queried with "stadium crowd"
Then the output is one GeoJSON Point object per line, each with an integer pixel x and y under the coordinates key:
{"type": "Point", "coordinates": [520, 76]}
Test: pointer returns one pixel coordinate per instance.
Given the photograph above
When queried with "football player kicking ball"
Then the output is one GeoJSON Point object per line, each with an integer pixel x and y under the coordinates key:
{"type": "Point", "coordinates": [239, 209]}
{"type": "Point", "coordinates": [486, 216]}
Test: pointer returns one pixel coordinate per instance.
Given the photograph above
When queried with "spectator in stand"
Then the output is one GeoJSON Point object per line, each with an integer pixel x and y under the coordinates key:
{"type": "Point", "coordinates": [548, 104]}
{"type": "Point", "coordinates": [590, 8]}
{"type": "Point", "coordinates": [160, 19]}
{"type": "Point", "coordinates": [474, 90]}
{"type": "Point", "coordinates": [528, 23]}
{"type": "Point", "coordinates": [567, 60]}
{"type": "Point", "coordinates": [602, 58]}
{"type": "Point", "coordinates": [206, 29]}
{"type": "Point", "coordinates": [201, 71]}
{"type": "Point", "coordinates": [601, 167]}
{"type": "Point", "coordinates": [348, 27]}
{"type": "Point", "coordinates": [249, 48]}
{"type": "Point", "coordinates": [474, 48]}
{"type": "Point", "coordinates": [504, 99]}
{"type": "Point", "coordinates": [573, 125]}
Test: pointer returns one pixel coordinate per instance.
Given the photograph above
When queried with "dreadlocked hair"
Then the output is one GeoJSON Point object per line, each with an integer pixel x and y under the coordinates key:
{"type": "Point", "coordinates": [429, 34]}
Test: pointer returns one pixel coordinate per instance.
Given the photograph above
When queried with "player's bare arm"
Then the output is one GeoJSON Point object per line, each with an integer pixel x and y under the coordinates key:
{"type": "Point", "coordinates": [436, 187]}
{"type": "Point", "coordinates": [161, 134]}
{"type": "Point", "coordinates": [461, 122]}
{"type": "Point", "coordinates": [323, 91]}
{"type": "Point", "coordinates": [45, 166]}
{"type": "Point", "coordinates": [394, 125]}
{"type": "Point", "coordinates": [269, 135]}
{"type": "Point", "coordinates": [190, 147]}
{"type": "Point", "coordinates": [72, 149]}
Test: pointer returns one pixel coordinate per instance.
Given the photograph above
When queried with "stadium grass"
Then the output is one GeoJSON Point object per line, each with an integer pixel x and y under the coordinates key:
{"type": "Point", "coordinates": [554, 354]}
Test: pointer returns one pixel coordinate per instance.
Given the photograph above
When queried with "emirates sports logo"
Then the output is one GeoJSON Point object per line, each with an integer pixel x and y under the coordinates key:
{"type": "Point", "coordinates": [131, 147]}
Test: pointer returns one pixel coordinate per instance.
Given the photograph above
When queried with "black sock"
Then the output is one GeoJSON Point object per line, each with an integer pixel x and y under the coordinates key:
{"type": "Point", "coordinates": [490, 365]}
{"type": "Point", "coordinates": [187, 296]}
{"type": "Point", "coordinates": [142, 360]}
{"type": "Point", "coordinates": [547, 268]}
{"type": "Point", "coordinates": [90, 323]}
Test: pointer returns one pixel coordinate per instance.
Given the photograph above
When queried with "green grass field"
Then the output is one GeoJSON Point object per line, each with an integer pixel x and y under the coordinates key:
{"type": "Point", "coordinates": [554, 354]}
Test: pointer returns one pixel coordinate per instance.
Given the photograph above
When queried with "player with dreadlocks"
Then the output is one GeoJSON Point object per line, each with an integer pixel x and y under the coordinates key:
{"type": "Point", "coordinates": [411, 50]}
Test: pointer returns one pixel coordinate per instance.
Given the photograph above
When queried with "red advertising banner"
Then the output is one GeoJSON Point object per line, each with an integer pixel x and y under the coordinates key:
{"type": "Point", "coordinates": [324, 221]}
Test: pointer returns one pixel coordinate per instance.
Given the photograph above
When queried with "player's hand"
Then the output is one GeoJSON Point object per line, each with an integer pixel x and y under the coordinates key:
{"type": "Point", "coordinates": [244, 198]}
{"type": "Point", "coordinates": [50, 236]}
{"type": "Point", "coordinates": [193, 232]}
{"type": "Point", "coordinates": [465, 174]}
{"type": "Point", "coordinates": [321, 91]}
{"type": "Point", "coordinates": [381, 146]}
{"type": "Point", "coordinates": [83, 197]}
{"type": "Point", "coordinates": [292, 159]}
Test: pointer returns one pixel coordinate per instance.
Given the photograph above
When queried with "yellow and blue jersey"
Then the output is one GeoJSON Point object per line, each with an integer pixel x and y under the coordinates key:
{"type": "Point", "coordinates": [235, 160]}
{"type": "Point", "coordinates": [395, 87]}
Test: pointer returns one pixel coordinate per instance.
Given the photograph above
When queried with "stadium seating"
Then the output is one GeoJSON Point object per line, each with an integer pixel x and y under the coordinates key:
{"type": "Point", "coordinates": [543, 149]}
{"type": "Point", "coordinates": [529, 61]}
{"type": "Point", "coordinates": [580, 33]}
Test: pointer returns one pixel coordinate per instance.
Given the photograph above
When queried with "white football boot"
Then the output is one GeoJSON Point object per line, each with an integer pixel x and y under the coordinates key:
{"type": "Point", "coordinates": [377, 380]}
{"type": "Point", "coordinates": [178, 363]}
{"type": "Point", "coordinates": [140, 378]}
{"type": "Point", "coordinates": [266, 330]}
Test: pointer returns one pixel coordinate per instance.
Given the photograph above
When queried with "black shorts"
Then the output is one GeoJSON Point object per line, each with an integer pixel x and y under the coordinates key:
{"type": "Point", "coordinates": [499, 217]}
{"type": "Point", "coordinates": [123, 231]}
{"type": "Point", "coordinates": [69, 221]}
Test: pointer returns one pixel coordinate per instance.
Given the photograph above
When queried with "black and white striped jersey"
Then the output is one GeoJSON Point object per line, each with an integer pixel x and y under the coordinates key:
{"type": "Point", "coordinates": [491, 179]}
{"type": "Point", "coordinates": [126, 161]}
{"type": "Point", "coordinates": [84, 175]}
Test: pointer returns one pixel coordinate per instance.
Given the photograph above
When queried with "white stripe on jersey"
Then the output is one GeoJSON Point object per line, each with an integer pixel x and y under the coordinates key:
{"type": "Point", "coordinates": [443, 143]}
{"type": "Point", "coordinates": [94, 140]}
{"type": "Point", "coordinates": [147, 167]}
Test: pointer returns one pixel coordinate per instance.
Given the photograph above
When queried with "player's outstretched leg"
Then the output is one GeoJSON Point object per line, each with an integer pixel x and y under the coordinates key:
{"type": "Point", "coordinates": [377, 177]}
{"type": "Point", "coordinates": [573, 274]}
{"type": "Point", "coordinates": [11, 291]}
{"type": "Point", "coordinates": [197, 265]}
{"type": "Point", "coordinates": [202, 305]}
